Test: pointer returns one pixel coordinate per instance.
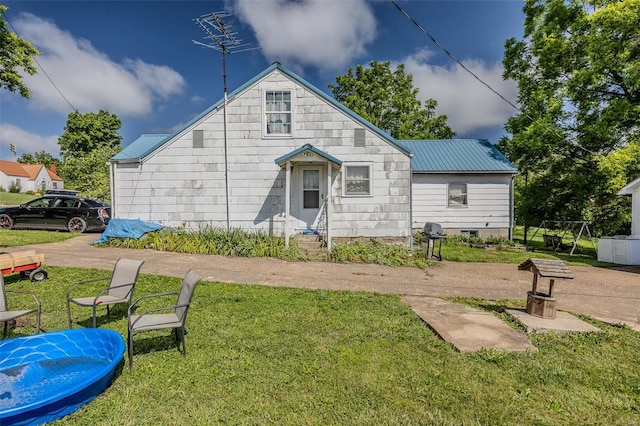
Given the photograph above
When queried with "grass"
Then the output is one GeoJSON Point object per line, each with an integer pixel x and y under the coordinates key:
{"type": "Point", "coordinates": [262, 355]}
{"type": "Point", "coordinates": [23, 237]}
{"type": "Point", "coordinates": [14, 199]}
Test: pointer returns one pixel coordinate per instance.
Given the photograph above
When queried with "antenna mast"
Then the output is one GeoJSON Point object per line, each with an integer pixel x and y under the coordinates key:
{"type": "Point", "coordinates": [218, 36]}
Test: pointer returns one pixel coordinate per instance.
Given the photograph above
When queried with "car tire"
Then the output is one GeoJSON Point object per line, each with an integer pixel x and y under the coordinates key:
{"type": "Point", "coordinates": [38, 275]}
{"type": "Point", "coordinates": [77, 225]}
{"type": "Point", "coordinates": [5, 221]}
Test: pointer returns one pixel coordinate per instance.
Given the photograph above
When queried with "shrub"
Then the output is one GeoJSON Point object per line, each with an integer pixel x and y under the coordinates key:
{"type": "Point", "coordinates": [15, 188]}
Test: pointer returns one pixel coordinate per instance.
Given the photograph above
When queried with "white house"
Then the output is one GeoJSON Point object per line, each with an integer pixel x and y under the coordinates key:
{"type": "Point", "coordinates": [29, 177]}
{"type": "Point", "coordinates": [284, 157]}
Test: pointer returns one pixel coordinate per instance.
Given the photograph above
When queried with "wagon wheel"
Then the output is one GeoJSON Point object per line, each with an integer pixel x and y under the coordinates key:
{"type": "Point", "coordinates": [77, 224]}
{"type": "Point", "coordinates": [38, 275]}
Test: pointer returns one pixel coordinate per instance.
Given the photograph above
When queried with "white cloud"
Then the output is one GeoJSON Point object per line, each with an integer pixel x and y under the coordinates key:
{"type": "Point", "coordinates": [328, 34]}
{"type": "Point", "coordinates": [88, 78]}
{"type": "Point", "coordinates": [25, 142]}
{"type": "Point", "coordinates": [469, 105]}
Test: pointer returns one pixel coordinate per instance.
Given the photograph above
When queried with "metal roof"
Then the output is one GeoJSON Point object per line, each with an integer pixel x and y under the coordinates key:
{"type": "Point", "coordinates": [308, 147]}
{"type": "Point", "coordinates": [457, 155]}
{"type": "Point", "coordinates": [141, 147]}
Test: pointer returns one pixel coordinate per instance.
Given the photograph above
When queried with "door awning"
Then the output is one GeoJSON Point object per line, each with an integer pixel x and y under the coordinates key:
{"type": "Point", "coordinates": [307, 153]}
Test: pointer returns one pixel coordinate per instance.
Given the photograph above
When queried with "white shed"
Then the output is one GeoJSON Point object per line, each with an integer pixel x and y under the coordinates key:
{"type": "Point", "coordinates": [624, 249]}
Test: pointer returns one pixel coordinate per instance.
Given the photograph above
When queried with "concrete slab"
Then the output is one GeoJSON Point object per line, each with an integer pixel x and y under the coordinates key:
{"type": "Point", "coordinates": [466, 328]}
{"type": "Point", "coordinates": [564, 322]}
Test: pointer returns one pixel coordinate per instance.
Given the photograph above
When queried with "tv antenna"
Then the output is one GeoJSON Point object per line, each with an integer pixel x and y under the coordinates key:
{"type": "Point", "coordinates": [218, 36]}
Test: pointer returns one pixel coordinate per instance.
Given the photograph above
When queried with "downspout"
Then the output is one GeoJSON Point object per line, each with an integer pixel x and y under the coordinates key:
{"type": "Point", "coordinates": [287, 202]}
{"type": "Point", "coordinates": [511, 208]}
{"type": "Point", "coordinates": [112, 187]}
{"type": "Point", "coordinates": [411, 201]}
{"type": "Point", "coordinates": [329, 204]}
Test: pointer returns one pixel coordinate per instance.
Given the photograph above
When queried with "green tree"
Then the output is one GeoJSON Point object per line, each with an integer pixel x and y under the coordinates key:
{"type": "Point", "coordinates": [88, 142]}
{"type": "Point", "coordinates": [578, 73]}
{"type": "Point", "coordinates": [15, 53]}
{"type": "Point", "coordinates": [89, 173]}
{"type": "Point", "coordinates": [84, 133]}
{"type": "Point", "coordinates": [40, 157]}
{"type": "Point", "coordinates": [388, 100]}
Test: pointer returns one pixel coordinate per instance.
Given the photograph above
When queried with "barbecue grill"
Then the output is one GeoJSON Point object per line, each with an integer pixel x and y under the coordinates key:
{"type": "Point", "coordinates": [432, 233]}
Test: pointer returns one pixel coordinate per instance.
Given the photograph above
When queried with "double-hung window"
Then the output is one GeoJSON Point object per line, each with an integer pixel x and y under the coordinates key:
{"type": "Point", "coordinates": [457, 195]}
{"type": "Point", "coordinates": [357, 180]}
{"type": "Point", "coordinates": [278, 112]}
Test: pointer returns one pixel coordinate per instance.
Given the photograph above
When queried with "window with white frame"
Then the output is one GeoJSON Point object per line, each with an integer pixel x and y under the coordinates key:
{"type": "Point", "coordinates": [278, 112]}
{"type": "Point", "coordinates": [457, 195]}
{"type": "Point", "coordinates": [357, 180]}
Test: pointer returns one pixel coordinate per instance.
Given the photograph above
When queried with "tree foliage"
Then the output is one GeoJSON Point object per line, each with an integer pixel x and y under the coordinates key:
{"type": "Point", "coordinates": [578, 73]}
{"type": "Point", "coordinates": [388, 100]}
{"type": "Point", "coordinates": [88, 142]}
{"type": "Point", "coordinates": [89, 173]}
{"type": "Point", "coordinates": [40, 157]}
{"type": "Point", "coordinates": [87, 132]}
{"type": "Point", "coordinates": [15, 53]}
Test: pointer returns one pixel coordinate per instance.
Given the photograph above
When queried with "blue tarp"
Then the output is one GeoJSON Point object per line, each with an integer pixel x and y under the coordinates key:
{"type": "Point", "coordinates": [127, 228]}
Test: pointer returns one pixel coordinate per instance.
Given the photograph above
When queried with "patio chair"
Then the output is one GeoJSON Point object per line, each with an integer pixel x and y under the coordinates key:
{"type": "Point", "coordinates": [120, 289]}
{"type": "Point", "coordinates": [174, 316]}
{"type": "Point", "coordinates": [6, 315]}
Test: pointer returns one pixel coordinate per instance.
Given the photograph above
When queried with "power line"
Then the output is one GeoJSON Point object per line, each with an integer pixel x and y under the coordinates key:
{"type": "Point", "coordinates": [449, 54]}
{"type": "Point", "coordinates": [35, 59]}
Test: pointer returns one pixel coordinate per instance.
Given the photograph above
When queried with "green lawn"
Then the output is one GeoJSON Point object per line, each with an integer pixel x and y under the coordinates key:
{"type": "Point", "coordinates": [14, 199]}
{"type": "Point", "coordinates": [23, 237]}
{"type": "Point", "coordinates": [262, 355]}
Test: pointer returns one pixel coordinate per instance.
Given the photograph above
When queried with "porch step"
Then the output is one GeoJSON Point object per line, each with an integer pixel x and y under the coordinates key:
{"type": "Point", "coordinates": [312, 245]}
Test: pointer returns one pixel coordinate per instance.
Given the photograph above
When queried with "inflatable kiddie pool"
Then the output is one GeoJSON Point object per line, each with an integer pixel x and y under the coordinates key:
{"type": "Point", "coordinates": [47, 376]}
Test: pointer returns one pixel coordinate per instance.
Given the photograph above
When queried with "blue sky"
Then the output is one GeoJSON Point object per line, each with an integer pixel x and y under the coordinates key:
{"type": "Point", "coordinates": [137, 59]}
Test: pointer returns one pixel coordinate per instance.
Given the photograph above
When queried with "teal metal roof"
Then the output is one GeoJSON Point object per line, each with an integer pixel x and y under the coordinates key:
{"type": "Point", "coordinates": [308, 147]}
{"type": "Point", "coordinates": [140, 148]}
{"type": "Point", "coordinates": [457, 155]}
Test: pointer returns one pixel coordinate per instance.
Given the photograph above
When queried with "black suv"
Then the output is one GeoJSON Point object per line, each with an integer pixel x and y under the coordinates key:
{"type": "Point", "coordinates": [75, 214]}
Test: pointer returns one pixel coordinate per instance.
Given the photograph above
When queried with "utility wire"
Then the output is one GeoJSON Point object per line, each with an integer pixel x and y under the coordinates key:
{"type": "Point", "coordinates": [449, 54]}
{"type": "Point", "coordinates": [35, 59]}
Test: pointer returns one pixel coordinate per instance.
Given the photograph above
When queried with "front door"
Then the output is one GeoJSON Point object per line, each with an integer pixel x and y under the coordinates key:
{"type": "Point", "coordinates": [311, 195]}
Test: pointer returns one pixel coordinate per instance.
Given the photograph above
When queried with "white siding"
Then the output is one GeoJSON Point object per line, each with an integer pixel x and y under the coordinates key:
{"type": "Point", "coordinates": [184, 186]}
{"type": "Point", "coordinates": [488, 207]}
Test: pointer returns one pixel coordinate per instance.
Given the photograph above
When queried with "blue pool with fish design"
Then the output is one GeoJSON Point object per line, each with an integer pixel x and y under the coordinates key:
{"type": "Point", "coordinates": [47, 376]}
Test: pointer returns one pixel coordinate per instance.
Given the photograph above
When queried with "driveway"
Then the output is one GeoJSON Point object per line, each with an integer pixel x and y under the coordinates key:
{"type": "Point", "coordinates": [608, 294]}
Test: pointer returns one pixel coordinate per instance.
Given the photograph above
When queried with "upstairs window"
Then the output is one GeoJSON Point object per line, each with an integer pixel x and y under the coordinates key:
{"type": "Point", "coordinates": [457, 195]}
{"type": "Point", "coordinates": [278, 112]}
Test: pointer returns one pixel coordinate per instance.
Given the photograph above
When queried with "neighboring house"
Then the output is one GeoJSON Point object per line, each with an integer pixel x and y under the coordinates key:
{"type": "Point", "coordinates": [29, 177]}
{"type": "Point", "coordinates": [284, 157]}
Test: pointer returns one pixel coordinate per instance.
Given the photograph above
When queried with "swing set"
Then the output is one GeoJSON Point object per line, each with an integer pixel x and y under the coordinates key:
{"type": "Point", "coordinates": [570, 227]}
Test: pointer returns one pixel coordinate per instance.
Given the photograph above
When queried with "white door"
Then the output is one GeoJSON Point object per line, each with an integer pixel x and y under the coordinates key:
{"type": "Point", "coordinates": [311, 195]}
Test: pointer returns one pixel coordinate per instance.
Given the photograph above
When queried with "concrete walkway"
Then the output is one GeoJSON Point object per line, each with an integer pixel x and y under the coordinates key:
{"type": "Point", "coordinates": [610, 295]}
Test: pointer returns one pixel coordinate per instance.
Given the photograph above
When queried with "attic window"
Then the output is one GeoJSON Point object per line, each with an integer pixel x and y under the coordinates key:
{"type": "Point", "coordinates": [278, 112]}
{"type": "Point", "coordinates": [198, 138]}
{"type": "Point", "coordinates": [358, 137]}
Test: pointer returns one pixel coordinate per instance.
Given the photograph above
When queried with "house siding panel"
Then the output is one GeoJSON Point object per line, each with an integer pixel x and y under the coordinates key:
{"type": "Point", "coordinates": [488, 208]}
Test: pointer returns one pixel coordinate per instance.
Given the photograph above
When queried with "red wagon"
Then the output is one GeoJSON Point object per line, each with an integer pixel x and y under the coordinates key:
{"type": "Point", "coordinates": [28, 263]}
